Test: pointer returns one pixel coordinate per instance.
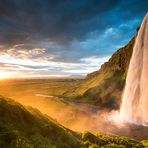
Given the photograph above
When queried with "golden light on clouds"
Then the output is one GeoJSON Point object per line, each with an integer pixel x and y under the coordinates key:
{"type": "Point", "coordinates": [37, 62]}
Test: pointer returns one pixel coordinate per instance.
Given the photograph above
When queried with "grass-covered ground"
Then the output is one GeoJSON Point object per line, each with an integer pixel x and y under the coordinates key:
{"type": "Point", "coordinates": [28, 128]}
{"type": "Point", "coordinates": [20, 128]}
{"type": "Point", "coordinates": [29, 87]}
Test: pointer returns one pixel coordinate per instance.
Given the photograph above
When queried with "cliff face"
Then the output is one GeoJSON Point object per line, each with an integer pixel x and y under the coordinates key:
{"type": "Point", "coordinates": [104, 87]}
{"type": "Point", "coordinates": [119, 60]}
{"type": "Point", "coordinates": [108, 91]}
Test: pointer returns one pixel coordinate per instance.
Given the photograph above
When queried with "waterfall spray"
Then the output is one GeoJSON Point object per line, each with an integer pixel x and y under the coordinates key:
{"type": "Point", "coordinates": [134, 107]}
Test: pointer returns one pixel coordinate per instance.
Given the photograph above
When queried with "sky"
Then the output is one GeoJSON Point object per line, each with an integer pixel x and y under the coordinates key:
{"type": "Point", "coordinates": [62, 38]}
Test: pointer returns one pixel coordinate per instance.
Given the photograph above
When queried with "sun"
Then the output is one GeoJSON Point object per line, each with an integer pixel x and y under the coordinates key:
{"type": "Point", "coordinates": [3, 75]}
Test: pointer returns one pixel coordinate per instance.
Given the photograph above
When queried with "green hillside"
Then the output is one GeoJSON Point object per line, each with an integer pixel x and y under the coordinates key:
{"type": "Point", "coordinates": [104, 87]}
{"type": "Point", "coordinates": [28, 128]}
{"type": "Point", "coordinates": [20, 128]}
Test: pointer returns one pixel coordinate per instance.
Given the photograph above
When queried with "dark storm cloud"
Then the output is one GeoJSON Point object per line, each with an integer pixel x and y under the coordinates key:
{"type": "Point", "coordinates": [54, 19]}
{"type": "Point", "coordinates": [62, 21]}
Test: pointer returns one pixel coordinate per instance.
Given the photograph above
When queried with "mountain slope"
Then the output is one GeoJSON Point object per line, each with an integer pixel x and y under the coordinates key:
{"type": "Point", "coordinates": [104, 87]}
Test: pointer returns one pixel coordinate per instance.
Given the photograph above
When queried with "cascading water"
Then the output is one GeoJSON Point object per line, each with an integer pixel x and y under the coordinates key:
{"type": "Point", "coordinates": [134, 107]}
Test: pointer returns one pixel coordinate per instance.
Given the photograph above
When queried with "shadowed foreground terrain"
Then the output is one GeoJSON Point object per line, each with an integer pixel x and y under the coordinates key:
{"type": "Point", "coordinates": [27, 127]}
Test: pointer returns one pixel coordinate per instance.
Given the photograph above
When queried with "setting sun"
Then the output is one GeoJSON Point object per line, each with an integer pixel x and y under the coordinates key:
{"type": "Point", "coordinates": [3, 75]}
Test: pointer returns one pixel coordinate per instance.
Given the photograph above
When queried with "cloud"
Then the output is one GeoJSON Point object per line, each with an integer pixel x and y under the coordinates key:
{"type": "Point", "coordinates": [62, 21]}
{"type": "Point", "coordinates": [57, 20]}
{"type": "Point", "coordinates": [18, 51]}
{"type": "Point", "coordinates": [29, 67]}
{"type": "Point", "coordinates": [54, 35]}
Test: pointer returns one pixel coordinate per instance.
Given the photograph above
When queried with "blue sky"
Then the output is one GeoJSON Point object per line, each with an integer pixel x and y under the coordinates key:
{"type": "Point", "coordinates": [64, 37]}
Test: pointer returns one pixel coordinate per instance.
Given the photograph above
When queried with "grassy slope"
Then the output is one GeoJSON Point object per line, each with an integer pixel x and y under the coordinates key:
{"type": "Point", "coordinates": [23, 128]}
{"type": "Point", "coordinates": [104, 86]}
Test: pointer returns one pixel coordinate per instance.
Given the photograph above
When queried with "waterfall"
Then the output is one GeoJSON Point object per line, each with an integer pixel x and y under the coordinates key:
{"type": "Point", "coordinates": [134, 107]}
